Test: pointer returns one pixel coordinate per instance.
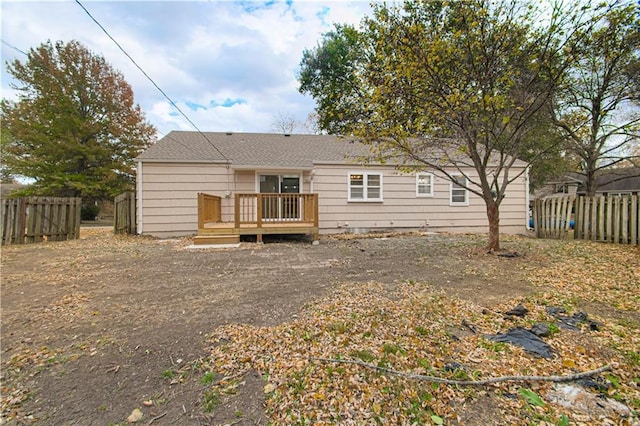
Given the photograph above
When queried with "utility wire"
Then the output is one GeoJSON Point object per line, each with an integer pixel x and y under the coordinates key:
{"type": "Point", "coordinates": [14, 48]}
{"type": "Point", "coordinates": [152, 82]}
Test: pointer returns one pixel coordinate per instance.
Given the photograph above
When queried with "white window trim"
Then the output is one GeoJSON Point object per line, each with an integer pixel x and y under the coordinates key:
{"type": "Point", "coordinates": [466, 192]}
{"type": "Point", "coordinates": [365, 198]}
{"type": "Point", "coordinates": [431, 179]}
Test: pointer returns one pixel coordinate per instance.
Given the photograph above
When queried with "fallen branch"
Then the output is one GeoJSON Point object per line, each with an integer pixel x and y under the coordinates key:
{"type": "Point", "coordinates": [567, 378]}
{"type": "Point", "coordinates": [158, 417]}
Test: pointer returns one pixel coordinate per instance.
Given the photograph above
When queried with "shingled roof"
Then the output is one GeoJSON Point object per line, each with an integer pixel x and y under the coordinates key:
{"type": "Point", "coordinates": [254, 149]}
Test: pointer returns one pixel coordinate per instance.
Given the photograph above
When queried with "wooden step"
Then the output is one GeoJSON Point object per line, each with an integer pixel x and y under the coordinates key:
{"type": "Point", "coordinates": [215, 239]}
{"type": "Point", "coordinates": [217, 231]}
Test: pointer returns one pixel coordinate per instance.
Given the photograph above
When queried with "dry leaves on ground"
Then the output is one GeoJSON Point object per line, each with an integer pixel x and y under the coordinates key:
{"type": "Point", "coordinates": [417, 330]}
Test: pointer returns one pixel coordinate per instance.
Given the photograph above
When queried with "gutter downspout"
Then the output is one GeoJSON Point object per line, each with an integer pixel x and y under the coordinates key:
{"type": "Point", "coordinates": [139, 197]}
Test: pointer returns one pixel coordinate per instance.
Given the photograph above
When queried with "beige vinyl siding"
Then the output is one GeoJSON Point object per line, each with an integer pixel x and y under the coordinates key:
{"type": "Point", "coordinates": [170, 195]}
{"type": "Point", "coordinates": [402, 209]}
{"type": "Point", "coordinates": [169, 200]}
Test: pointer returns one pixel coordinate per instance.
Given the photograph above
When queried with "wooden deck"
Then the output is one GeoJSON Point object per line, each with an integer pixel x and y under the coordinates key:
{"type": "Point", "coordinates": [256, 214]}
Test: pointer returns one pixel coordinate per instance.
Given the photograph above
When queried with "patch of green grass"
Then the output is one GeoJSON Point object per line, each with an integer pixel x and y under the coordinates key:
{"type": "Point", "coordinates": [632, 357]}
{"type": "Point", "coordinates": [531, 397]}
{"type": "Point", "coordinates": [168, 374]}
{"type": "Point", "coordinates": [392, 349]}
{"type": "Point", "coordinates": [339, 327]}
{"type": "Point", "coordinates": [614, 380]}
{"type": "Point", "coordinates": [383, 363]}
{"type": "Point", "coordinates": [492, 346]}
{"type": "Point", "coordinates": [418, 413]}
{"type": "Point", "coordinates": [564, 420]}
{"type": "Point", "coordinates": [424, 363]}
{"type": "Point", "coordinates": [298, 382]}
{"type": "Point", "coordinates": [211, 400]}
{"type": "Point", "coordinates": [338, 370]}
{"type": "Point", "coordinates": [553, 329]}
{"type": "Point", "coordinates": [421, 330]}
{"type": "Point", "coordinates": [629, 323]}
{"type": "Point", "coordinates": [363, 355]}
{"type": "Point", "coordinates": [208, 378]}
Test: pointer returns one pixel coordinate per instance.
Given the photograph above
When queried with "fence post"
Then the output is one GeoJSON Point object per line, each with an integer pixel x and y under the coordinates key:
{"type": "Point", "coordinates": [13, 221]}
{"type": "Point", "coordinates": [635, 220]}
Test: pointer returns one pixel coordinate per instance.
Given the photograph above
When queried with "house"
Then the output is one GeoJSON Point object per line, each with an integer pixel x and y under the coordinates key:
{"type": "Point", "coordinates": [618, 181]}
{"type": "Point", "coordinates": [612, 181]}
{"type": "Point", "coordinates": [6, 189]}
{"type": "Point", "coordinates": [192, 182]}
{"type": "Point", "coordinates": [563, 185]}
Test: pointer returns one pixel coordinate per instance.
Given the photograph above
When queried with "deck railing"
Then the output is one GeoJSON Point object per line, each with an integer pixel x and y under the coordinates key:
{"type": "Point", "coordinates": [260, 209]}
{"type": "Point", "coordinates": [209, 209]}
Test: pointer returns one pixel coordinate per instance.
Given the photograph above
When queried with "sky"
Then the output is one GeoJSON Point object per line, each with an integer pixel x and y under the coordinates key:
{"type": "Point", "coordinates": [228, 65]}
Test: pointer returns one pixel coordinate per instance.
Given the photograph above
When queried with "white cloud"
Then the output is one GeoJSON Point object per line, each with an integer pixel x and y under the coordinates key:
{"type": "Point", "coordinates": [199, 53]}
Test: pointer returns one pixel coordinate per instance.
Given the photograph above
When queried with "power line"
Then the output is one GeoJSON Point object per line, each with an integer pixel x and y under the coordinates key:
{"type": "Point", "coordinates": [14, 48]}
{"type": "Point", "coordinates": [152, 82]}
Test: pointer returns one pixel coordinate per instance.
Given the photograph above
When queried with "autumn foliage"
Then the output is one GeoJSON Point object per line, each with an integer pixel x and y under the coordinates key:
{"type": "Point", "coordinates": [74, 129]}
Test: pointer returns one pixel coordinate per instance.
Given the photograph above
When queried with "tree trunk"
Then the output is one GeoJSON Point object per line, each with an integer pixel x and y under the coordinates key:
{"type": "Point", "coordinates": [590, 177]}
{"type": "Point", "coordinates": [590, 184]}
{"type": "Point", "coordinates": [493, 214]}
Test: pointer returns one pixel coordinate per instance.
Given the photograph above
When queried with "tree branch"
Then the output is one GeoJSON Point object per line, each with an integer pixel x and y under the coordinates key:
{"type": "Point", "coordinates": [432, 379]}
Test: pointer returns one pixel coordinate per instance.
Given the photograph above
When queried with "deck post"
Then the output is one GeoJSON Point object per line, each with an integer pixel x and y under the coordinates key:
{"type": "Point", "coordinates": [236, 211]}
{"type": "Point", "coordinates": [316, 221]}
{"type": "Point", "coordinates": [201, 212]}
{"type": "Point", "coordinates": [259, 212]}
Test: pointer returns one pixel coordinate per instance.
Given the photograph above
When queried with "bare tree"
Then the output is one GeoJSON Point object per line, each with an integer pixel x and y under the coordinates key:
{"type": "Point", "coordinates": [311, 125]}
{"type": "Point", "coordinates": [598, 109]}
{"type": "Point", "coordinates": [284, 123]}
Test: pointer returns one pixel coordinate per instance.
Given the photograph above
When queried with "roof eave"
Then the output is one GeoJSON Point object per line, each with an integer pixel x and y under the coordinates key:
{"type": "Point", "coordinates": [270, 167]}
{"type": "Point", "coordinates": [172, 160]}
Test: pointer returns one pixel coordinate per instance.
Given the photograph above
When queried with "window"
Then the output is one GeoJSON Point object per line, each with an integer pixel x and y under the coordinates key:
{"type": "Point", "coordinates": [365, 187]}
{"type": "Point", "coordinates": [424, 185]}
{"type": "Point", "coordinates": [561, 188]}
{"type": "Point", "coordinates": [459, 194]}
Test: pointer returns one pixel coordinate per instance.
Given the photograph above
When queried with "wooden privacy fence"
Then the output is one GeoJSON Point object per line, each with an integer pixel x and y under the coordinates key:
{"type": "Point", "coordinates": [34, 219]}
{"type": "Point", "coordinates": [613, 218]}
{"type": "Point", "coordinates": [124, 220]}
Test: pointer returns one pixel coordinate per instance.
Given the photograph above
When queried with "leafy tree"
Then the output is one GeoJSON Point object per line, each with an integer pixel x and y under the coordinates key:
{"type": "Point", "coordinates": [331, 73]}
{"type": "Point", "coordinates": [598, 108]}
{"type": "Point", "coordinates": [74, 128]}
{"type": "Point", "coordinates": [448, 86]}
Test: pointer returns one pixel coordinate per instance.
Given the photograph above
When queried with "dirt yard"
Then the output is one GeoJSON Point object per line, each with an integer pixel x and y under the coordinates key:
{"type": "Point", "coordinates": [96, 328]}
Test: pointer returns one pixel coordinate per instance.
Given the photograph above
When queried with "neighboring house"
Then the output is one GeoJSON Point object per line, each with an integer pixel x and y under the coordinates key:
{"type": "Point", "coordinates": [565, 185]}
{"type": "Point", "coordinates": [618, 181]}
{"type": "Point", "coordinates": [352, 196]}
{"type": "Point", "coordinates": [6, 189]}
